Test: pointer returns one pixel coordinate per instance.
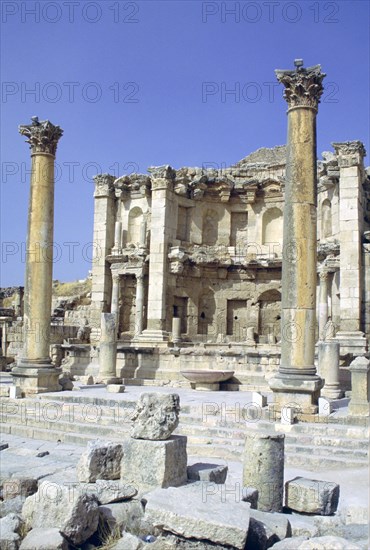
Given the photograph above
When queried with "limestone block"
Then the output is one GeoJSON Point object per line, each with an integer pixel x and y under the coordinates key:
{"type": "Point", "coordinates": [15, 392]}
{"type": "Point", "coordinates": [64, 507]}
{"type": "Point", "coordinates": [259, 399]}
{"type": "Point", "coordinates": [127, 515]}
{"type": "Point", "coordinates": [325, 406]}
{"type": "Point", "coordinates": [107, 491]}
{"type": "Point", "coordinates": [156, 416]}
{"type": "Point", "coordinates": [288, 415]}
{"type": "Point", "coordinates": [44, 539]}
{"type": "Point", "coordinates": [311, 496]}
{"type": "Point", "coordinates": [115, 388]}
{"type": "Point", "coordinates": [194, 513]}
{"type": "Point", "coordinates": [266, 528]}
{"type": "Point", "coordinates": [101, 460]}
{"type": "Point", "coordinates": [18, 486]}
{"type": "Point", "coordinates": [12, 506]}
{"type": "Point", "coordinates": [316, 543]}
{"type": "Point", "coordinates": [10, 528]}
{"type": "Point", "coordinates": [211, 473]}
{"type": "Point", "coordinates": [148, 464]}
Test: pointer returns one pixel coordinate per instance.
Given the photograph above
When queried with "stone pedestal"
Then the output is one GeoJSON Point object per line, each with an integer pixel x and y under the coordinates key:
{"type": "Point", "coordinates": [150, 464]}
{"type": "Point", "coordinates": [360, 380]}
{"type": "Point", "coordinates": [329, 368]}
{"type": "Point", "coordinates": [297, 381]}
{"type": "Point", "coordinates": [35, 372]}
{"type": "Point", "coordinates": [263, 469]}
{"type": "Point", "coordinates": [108, 350]}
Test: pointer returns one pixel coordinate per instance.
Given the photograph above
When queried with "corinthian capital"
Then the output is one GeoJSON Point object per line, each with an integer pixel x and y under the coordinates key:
{"type": "Point", "coordinates": [303, 87]}
{"type": "Point", "coordinates": [104, 185]}
{"type": "Point", "coordinates": [349, 148]}
{"type": "Point", "coordinates": [42, 135]}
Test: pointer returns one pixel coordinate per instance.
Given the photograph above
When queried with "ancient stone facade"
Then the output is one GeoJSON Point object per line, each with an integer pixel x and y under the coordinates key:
{"type": "Point", "coordinates": [205, 246]}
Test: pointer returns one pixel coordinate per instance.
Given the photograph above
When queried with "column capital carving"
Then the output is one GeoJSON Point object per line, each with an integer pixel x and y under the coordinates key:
{"type": "Point", "coordinates": [104, 185]}
{"type": "Point", "coordinates": [303, 87]}
{"type": "Point", "coordinates": [350, 153]}
{"type": "Point", "coordinates": [323, 275]}
{"type": "Point", "coordinates": [42, 136]}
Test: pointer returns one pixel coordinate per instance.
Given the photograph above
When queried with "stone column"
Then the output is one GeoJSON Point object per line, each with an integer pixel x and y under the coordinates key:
{"type": "Point", "coordinates": [108, 350]}
{"type": "Point", "coordinates": [359, 404]}
{"type": "Point", "coordinates": [176, 330]}
{"type": "Point", "coordinates": [297, 381]}
{"type": "Point", "coordinates": [263, 469]}
{"type": "Point", "coordinates": [103, 241]}
{"type": "Point", "coordinates": [351, 221]}
{"type": "Point", "coordinates": [328, 359]}
{"type": "Point", "coordinates": [139, 304]}
{"type": "Point", "coordinates": [323, 303]}
{"type": "Point", "coordinates": [143, 232]}
{"type": "Point", "coordinates": [116, 279]}
{"type": "Point", "coordinates": [117, 248]}
{"type": "Point", "coordinates": [35, 373]}
{"type": "Point", "coordinates": [162, 187]}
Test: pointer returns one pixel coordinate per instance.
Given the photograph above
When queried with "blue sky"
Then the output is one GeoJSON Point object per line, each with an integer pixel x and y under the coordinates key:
{"type": "Point", "coordinates": [135, 84]}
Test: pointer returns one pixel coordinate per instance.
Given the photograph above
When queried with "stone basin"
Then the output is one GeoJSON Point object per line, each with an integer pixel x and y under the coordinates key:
{"type": "Point", "coordinates": [207, 380]}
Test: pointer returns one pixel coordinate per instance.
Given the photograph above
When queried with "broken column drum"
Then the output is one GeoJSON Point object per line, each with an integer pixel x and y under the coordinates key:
{"type": "Point", "coordinates": [297, 381]}
{"type": "Point", "coordinates": [263, 469]}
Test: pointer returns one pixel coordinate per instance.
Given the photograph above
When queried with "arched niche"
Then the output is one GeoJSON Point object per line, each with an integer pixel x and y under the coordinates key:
{"type": "Point", "coordinates": [272, 226]}
{"type": "Point", "coordinates": [210, 227]}
{"type": "Point", "coordinates": [326, 222]}
{"type": "Point", "coordinates": [135, 220]}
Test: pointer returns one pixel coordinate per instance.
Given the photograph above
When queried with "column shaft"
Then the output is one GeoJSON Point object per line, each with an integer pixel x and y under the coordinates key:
{"type": "Point", "coordinates": [323, 304]}
{"type": "Point", "coordinates": [139, 304]}
{"type": "Point", "coordinates": [115, 299]}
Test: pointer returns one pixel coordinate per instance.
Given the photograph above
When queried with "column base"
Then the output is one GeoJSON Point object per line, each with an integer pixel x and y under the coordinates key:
{"type": "Point", "coordinates": [332, 392]}
{"type": "Point", "coordinates": [359, 408]}
{"type": "Point", "coordinates": [296, 391]}
{"type": "Point", "coordinates": [34, 379]}
{"type": "Point", "coordinates": [154, 335]}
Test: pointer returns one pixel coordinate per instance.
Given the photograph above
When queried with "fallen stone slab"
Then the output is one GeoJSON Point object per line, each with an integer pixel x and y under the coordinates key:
{"type": "Point", "coordinates": [195, 513]}
{"type": "Point", "coordinates": [10, 528]}
{"type": "Point", "coordinates": [316, 543]}
{"type": "Point", "coordinates": [65, 507]}
{"type": "Point", "coordinates": [44, 539]}
{"type": "Point", "coordinates": [212, 473]}
{"type": "Point", "coordinates": [108, 491]}
{"type": "Point", "coordinates": [266, 528]}
{"type": "Point", "coordinates": [101, 460]}
{"type": "Point", "coordinates": [148, 464]}
{"type": "Point", "coordinates": [156, 416]}
{"type": "Point", "coordinates": [311, 496]}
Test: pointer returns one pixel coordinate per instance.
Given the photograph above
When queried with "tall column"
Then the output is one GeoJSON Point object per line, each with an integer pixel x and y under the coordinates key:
{"type": "Point", "coordinates": [297, 382]}
{"type": "Point", "coordinates": [351, 220]}
{"type": "Point", "coordinates": [162, 186]}
{"type": "Point", "coordinates": [115, 298]}
{"type": "Point", "coordinates": [139, 304]}
{"type": "Point", "coordinates": [323, 303]}
{"type": "Point", "coordinates": [35, 372]}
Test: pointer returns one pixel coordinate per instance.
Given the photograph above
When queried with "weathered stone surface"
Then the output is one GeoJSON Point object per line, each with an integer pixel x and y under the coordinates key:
{"type": "Point", "coordinates": [311, 496]}
{"type": "Point", "coordinates": [316, 543]}
{"type": "Point", "coordinates": [12, 506]}
{"type": "Point", "coordinates": [66, 381]}
{"type": "Point", "coordinates": [265, 529]}
{"type": "Point", "coordinates": [122, 516]}
{"type": "Point", "coordinates": [101, 460]}
{"type": "Point", "coordinates": [148, 464]}
{"type": "Point", "coordinates": [64, 507]}
{"type": "Point", "coordinates": [212, 473]}
{"type": "Point", "coordinates": [108, 491]}
{"type": "Point", "coordinates": [250, 494]}
{"type": "Point", "coordinates": [263, 468]}
{"type": "Point", "coordinates": [44, 539]}
{"type": "Point", "coordinates": [194, 513]}
{"type": "Point", "coordinates": [10, 528]}
{"type": "Point", "coordinates": [115, 388]}
{"type": "Point", "coordinates": [18, 486]}
{"type": "Point", "coordinates": [156, 416]}
{"type": "Point", "coordinates": [128, 542]}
